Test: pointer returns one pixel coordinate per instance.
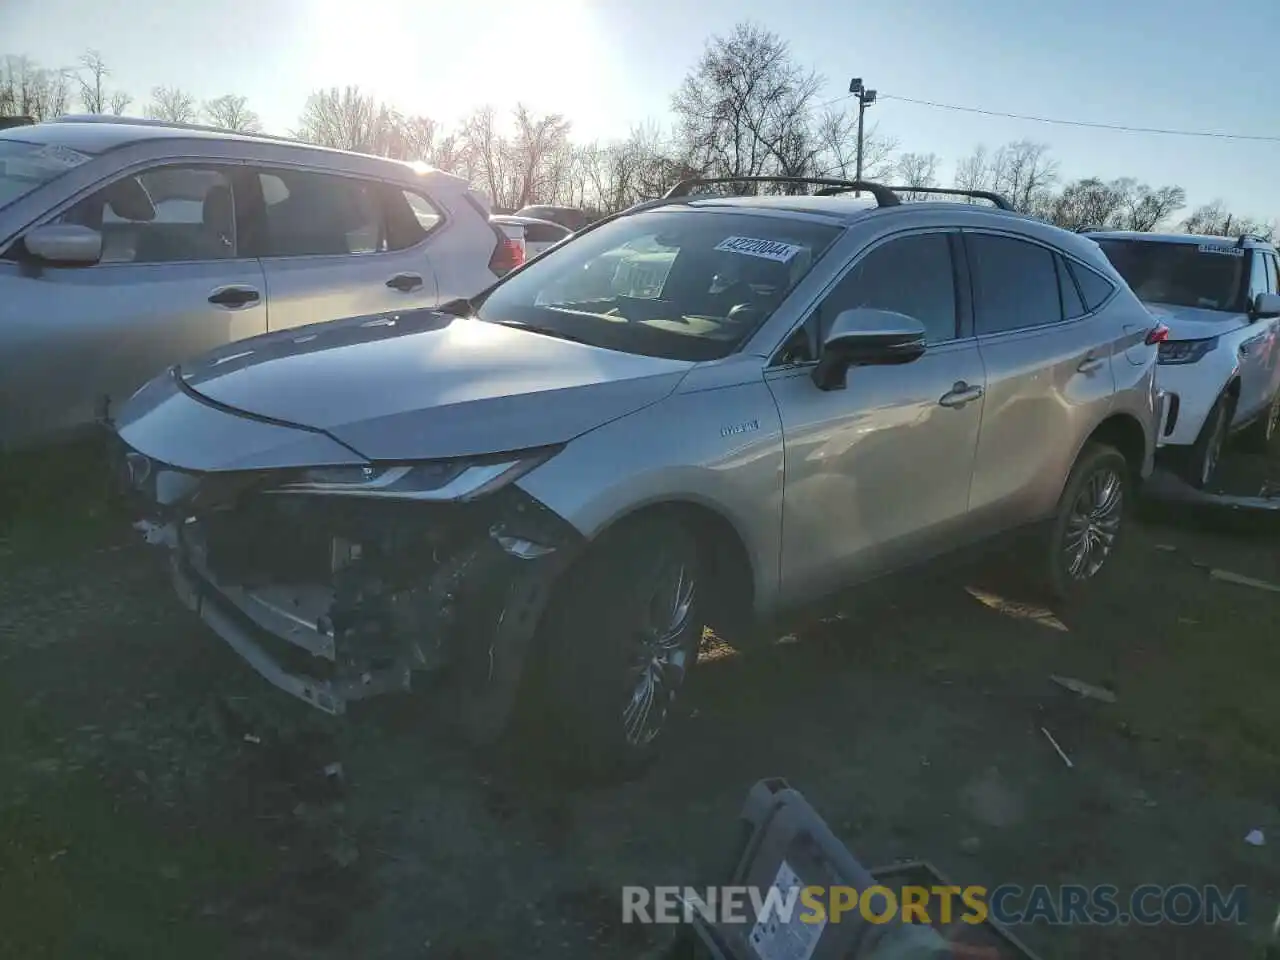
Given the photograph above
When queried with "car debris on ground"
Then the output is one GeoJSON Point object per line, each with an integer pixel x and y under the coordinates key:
{"type": "Point", "coordinates": [1087, 690]}
{"type": "Point", "coordinates": [1054, 743]}
{"type": "Point", "coordinates": [1226, 576]}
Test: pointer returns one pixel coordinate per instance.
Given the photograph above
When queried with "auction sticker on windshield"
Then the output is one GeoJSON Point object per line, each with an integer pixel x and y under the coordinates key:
{"type": "Point", "coordinates": [1220, 250]}
{"type": "Point", "coordinates": [765, 249]}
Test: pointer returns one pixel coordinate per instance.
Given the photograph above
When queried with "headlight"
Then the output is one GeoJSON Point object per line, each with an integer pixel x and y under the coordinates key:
{"type": "Point", "coordinates": [462, 479]}
{"type": "Point", "coordinates": [1186, 351]}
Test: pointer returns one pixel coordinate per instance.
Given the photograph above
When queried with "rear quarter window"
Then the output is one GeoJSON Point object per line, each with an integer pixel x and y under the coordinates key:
{"type": "Point", "coordinates": [1094, 287]}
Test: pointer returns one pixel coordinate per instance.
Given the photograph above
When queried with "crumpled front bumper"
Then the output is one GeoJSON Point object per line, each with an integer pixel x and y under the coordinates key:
{"type": "Point", "coordinates": [242, 618]}
{"type": "Point", "coordinates": [356, 627]}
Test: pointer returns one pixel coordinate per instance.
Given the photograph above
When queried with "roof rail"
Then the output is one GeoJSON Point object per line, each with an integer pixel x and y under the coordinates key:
{"type": "Point", "coordinates": [996, 199]}
{"type": "Point", "coordinates": [1089, 229]}
{"type": "Point", "coordinates": [1246, 237]}
{"type": "Point", "coordinates": [166, 124]}
{"type": "Point", "coordinates": [8, 122]}
{"type": "Point", "coordinates": [885, 197]}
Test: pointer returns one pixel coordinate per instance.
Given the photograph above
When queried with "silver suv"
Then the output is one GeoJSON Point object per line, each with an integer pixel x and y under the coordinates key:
{"type": "Point", "coordinates": [703, 411]}
{"type": "Point", "coordinates": [129, 245]}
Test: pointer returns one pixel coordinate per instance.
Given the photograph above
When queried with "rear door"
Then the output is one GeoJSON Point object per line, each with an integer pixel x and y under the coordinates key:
{"type": "Point", "coordinates": [1048, 353]}
{"type": "Point", "coordinates": [172, 283]}
{"type": "Point", "coordinates": [336, 246]}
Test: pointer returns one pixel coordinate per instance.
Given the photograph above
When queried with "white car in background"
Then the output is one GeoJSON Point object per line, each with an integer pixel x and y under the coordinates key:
{"type": "Point", "coordinates": [1220, 366]}
{"type": "Point", "coordinates": [531, 235]}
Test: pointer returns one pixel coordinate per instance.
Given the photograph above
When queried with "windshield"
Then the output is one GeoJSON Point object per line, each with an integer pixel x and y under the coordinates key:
{"type": "Point", "coordinates": [677, 283]}
{"type": "Point", "coordinates": [25, 166]}
{"type": "Point", "coordinates": [1206, 275]}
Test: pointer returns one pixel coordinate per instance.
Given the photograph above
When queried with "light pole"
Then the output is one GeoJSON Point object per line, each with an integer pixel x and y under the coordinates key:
{"type": "Point", "coordinates": [865, 99]}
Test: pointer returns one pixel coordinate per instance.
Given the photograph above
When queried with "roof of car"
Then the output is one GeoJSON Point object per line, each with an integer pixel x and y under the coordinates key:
{"type": "Point", "coordinates": [94, 135]}
{"type": "Point", "coordinates": [1193, 238]}
{"type": "Point", "coordinates": [843, 206]}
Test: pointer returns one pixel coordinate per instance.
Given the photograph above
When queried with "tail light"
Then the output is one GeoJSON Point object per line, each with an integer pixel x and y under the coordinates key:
{"type": "Point", "coordinates": [1157, 334]}
{"type": "Point", "coordinates": [507, 255]}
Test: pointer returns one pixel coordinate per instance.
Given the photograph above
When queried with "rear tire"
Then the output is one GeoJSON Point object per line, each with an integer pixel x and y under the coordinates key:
{"type": "Point", "coordinates": [1260, 434]}
{"type": "Point", "coordinates": [1089, 522]}
{"type": "Point", "coordinates": [1202, 459]}
{"type": "Point", "coordinates": [617, 642]}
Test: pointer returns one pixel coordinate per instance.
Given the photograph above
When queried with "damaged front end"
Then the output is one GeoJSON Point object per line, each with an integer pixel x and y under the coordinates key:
{"type": "Point", "coordinates": [338, 584]}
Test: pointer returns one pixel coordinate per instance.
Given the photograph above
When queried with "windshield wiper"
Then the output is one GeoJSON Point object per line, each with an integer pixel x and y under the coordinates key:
{"type": "Point", "coordinates": [545, 331]}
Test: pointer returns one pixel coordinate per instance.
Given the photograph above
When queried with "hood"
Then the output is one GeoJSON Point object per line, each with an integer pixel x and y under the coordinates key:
{"type": "Point", "coordinates": [1195, 323]}
{"type": "Point", "coordinates": [424, 385]}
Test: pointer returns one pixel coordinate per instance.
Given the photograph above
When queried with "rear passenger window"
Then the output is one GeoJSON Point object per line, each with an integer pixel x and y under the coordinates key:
{"type": "Point", "coordinates": [1095, 287]}
{"type": "Point", "coordinates": [1015, 285]}
{"type": "Point", "coordinates": [410, 217]}
{"type": "Point", "coordinates": [1072, 305]}
{"type": "Point", "coordinates": [912, 275]}
{"type": "Point", "coordinates": [318, 214]}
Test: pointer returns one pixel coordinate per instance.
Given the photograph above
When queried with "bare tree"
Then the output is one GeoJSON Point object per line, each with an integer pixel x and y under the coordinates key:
{"type": "Point", "coordinates": [539, 154]}
{"type": "Point", "coordinates": [1214, 219]}
{"type": "Point", "coordinates": [744, 109]}
{"type": "Point", "coordinates": [119, 102]}
{"type": "Point", "coordinates": [1086, 203]}
{"type": "Point", "coordinates": [231, 112]}
{"type": "Point", "coordinates": [92, 79]}
{"type": "Point", "coordinates": [490, 156]}
{"type": "Point", "coordinates": [916, 170]}
{"type": "Point", "coordinates": [1022, 171]}
{"type": "Point", "coordinates": [172, 104]}
{"type": "Point", "coordinates": [1144, 208]}
{"type": "Point", "coordinates": [29, 90]}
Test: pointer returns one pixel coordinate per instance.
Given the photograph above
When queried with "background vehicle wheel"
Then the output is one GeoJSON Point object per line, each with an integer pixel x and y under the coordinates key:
{"type": "Point", "coordinates": [1090, 519]}
{"type": "Point", "coordinates": [1263, 430]}
{"type": "Point", "coordinates": [617, 642]}
{"type": "Point", "coordinates": [1202, 460]}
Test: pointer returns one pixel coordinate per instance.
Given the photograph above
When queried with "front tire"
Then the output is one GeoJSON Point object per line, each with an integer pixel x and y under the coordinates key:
{"type": "Point", "coordinates": [1089, 521]}
{"type": "Point", "coordinates": [1205, 454]}
{"type": "Point", "coordinates": [619, 639]}
{"type": "Point", "coordinates": [1262, 431]}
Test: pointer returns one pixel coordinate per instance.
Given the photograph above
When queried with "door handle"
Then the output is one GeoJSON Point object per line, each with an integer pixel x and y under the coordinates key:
{"type": "Point", "coordinates": [234, 296]}
{"type": "Point", "coordinates": [959, 395]}
{"type": "Point", "coordinates": [1090, 364]}
{"type": "Point", "coordinates": [405, 282]}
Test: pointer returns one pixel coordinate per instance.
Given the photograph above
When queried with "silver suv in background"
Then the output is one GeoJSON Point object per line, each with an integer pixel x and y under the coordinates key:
{"type": "Point", "coordinates": [704, 411]}
{"type": "Point", "coordinates": [129, 245]}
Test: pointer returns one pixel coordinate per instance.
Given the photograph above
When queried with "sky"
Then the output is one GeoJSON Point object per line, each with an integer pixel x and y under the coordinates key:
{"type": "Point", "coordinates": [609, 65]}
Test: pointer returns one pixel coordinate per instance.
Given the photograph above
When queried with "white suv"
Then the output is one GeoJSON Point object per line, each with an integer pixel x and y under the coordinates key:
{"type": "Point", "coordinates": [128, 246]}
{"type": "Point", "coordinates": [1220, 298]}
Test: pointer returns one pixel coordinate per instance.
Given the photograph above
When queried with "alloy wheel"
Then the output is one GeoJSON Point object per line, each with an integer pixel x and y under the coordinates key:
{"type": "Point", "coordinates": [661, 656]}
{"type": "Point", "coordinates": [1094, 523]}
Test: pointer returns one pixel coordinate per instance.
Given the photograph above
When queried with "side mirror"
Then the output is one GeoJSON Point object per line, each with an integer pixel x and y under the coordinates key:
{"type": "Point", "coordinates": [1266, 305]}
{"type": "Point", "coordinates": [864, 337]}
{"type": "Point", "coordinates": [64, 243]}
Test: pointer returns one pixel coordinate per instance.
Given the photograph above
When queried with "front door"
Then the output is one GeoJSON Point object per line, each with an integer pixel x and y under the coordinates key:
{"type": "Point", "coordinates": [171, 284]}
{"type": "Point", "coordinates": [336, 246]}
{"type": "Point", "coordinates": [1258, 352]}
{"type": "Point", "coordinates": [877, 474]}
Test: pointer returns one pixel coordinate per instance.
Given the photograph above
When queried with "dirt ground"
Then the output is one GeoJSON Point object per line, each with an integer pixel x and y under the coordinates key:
{"type": "Point", "coordinates": [158, 799]}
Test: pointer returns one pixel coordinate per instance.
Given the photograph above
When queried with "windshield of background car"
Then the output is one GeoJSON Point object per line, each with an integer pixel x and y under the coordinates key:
{"type": "Point", "coordinates": [25, 166]}
{"type": "Point", "coordinates": [682, 284]}
{"type": "Point", "coordinates": [1205, 275]}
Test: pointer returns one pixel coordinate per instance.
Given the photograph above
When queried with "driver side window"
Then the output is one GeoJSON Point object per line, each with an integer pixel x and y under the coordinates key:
{"type": "Point", "coordinates": [911, 275]}
{"type": "Point", "coordinates": [163, 215]}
